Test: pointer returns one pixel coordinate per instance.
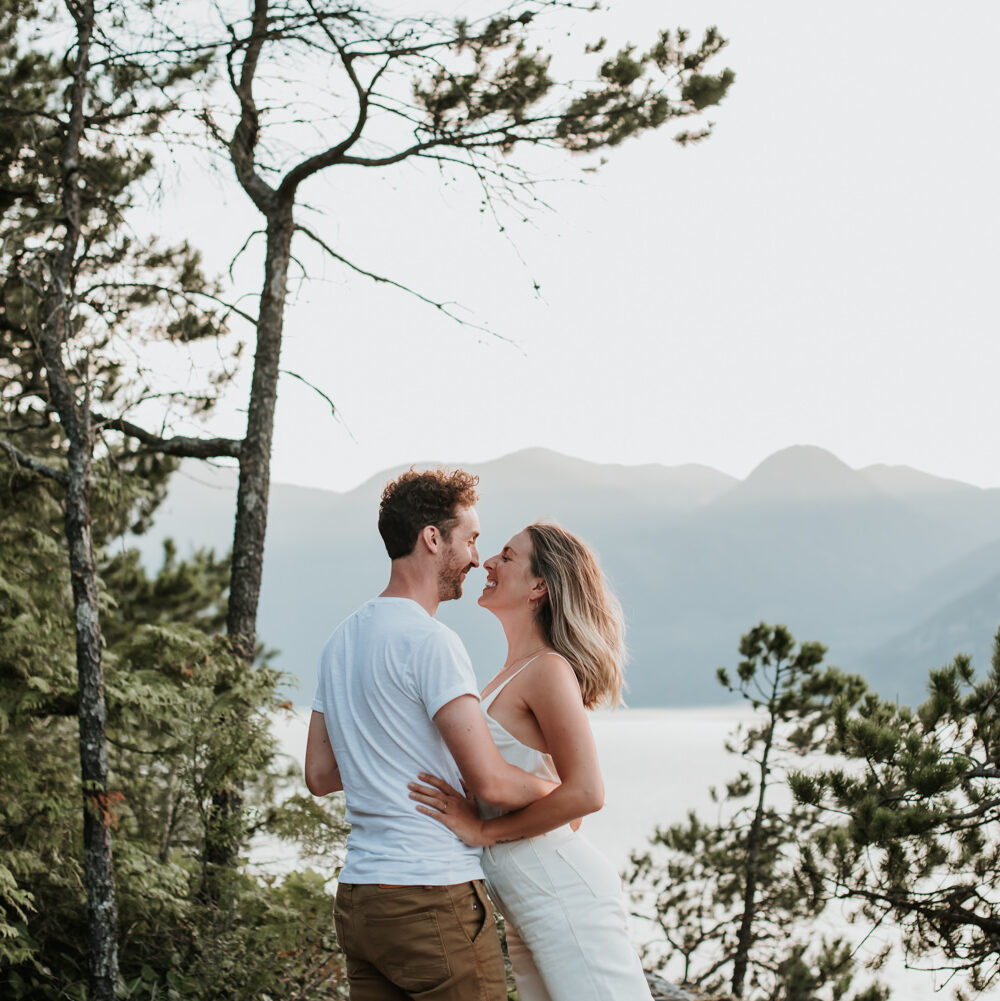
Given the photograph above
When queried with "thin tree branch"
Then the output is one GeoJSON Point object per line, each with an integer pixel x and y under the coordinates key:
{"type": "Point", "coordinates": [183, 293]}
{"type": "Point", "coordinates": [313, 164]}
{"type": "Point", "coordinates": [983, 772]}
{"type": "Point", "coordinates": [23, 459]}
{"type": "Point", "coordinates": [333, 407]}
{"type": "Point", "coordinates": [247, 132]}
{"type": "Point", "coordinates": [179, 445]}
{"type": "Point", "coordinates": [239, 253]}
{"type": "Point", "coordinates": [381, 279]}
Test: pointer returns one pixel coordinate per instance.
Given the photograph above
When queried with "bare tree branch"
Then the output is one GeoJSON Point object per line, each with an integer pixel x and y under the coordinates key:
{"type": "Point", "coordinates": [179, 445]}
{"type": "Point", "coordinates": [23, 459]}
{"type": "Point", "coordinates": [334, 409]}
{"type": "Point", "coordinates": [308, 167]}
{"type": "Point", "coordinates": [247, 132]}
{"type": "Point", "coordinates": [187, 294]}
{"type": "Point", "coordinates": [239, 253]}
{"type": "Point", "coordinates": [442, 307]}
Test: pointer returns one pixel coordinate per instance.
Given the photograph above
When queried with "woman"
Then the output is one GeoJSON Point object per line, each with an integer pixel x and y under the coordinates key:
{"type": "Point", "coordinates": [566, 921]}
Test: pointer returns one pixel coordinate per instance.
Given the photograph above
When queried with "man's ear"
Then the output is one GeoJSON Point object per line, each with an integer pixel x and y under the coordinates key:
{"type": "Point", "coordinates": [429, 538]}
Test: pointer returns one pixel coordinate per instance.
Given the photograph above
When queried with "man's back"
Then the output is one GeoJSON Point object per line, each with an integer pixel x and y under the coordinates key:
{"type": "Point", "coordinates": [384, 673]}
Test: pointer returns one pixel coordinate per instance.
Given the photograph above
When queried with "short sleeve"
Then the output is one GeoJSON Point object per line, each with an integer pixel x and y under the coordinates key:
{"type": "Point", "coordinates": [319, 699]}
{"type": "Point", "coordinates": [441, 671]}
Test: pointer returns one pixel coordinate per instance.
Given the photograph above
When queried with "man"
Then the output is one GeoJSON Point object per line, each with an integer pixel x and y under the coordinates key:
{"type": "Point", "coordinates": [397, 696]}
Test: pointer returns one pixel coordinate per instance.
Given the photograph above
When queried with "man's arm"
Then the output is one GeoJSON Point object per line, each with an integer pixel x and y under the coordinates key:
{"type": "Point", "coordinates": [552, 694]}
{"type": "Point", "coordinates": [484, 771]}
{"type": "Point", "coordinates": [322, 773]}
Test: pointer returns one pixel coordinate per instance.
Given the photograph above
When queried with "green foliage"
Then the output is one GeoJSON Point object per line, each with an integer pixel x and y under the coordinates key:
{"type": "Point", "coordinates": [24, 138]}
{"type": "Point", "coordinates": [185, 716]}
{"type": "Point", "coordinates": [477, 87]}
{"type": "Point", "coordinates": [281, 943]}
{"type": "Point", "coordinates": [171, 736]}
{"type": "Point", "coordinates": [732, 902]}
{"type": "Point", "coordinates": [630, 101]}
{"type": "Point", "coordinates": [811, 974]}
{"type": "Point", "coordinates": [694, 876]}
{"type": "Point", "coordinates": [126, 291]}
{"type": "Point", "coordinates": [913, 819]}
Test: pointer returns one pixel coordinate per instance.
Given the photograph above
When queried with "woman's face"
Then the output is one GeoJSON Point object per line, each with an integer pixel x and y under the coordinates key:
{"type": "Point", "coordinates": [510, 584]}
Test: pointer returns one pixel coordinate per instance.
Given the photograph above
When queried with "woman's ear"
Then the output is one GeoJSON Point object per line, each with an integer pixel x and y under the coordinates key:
{"type": "Point", "coordinates": [539, 589]}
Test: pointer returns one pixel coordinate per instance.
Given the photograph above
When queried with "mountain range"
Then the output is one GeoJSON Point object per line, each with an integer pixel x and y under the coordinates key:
{"type": "Point", "coordinates": [894, 570]}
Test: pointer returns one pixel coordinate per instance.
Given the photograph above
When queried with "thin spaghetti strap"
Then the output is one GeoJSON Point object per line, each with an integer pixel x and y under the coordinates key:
{"type": "Point", "coordinates": [496, 691]}
{"type": "Point", "coordinates": [557, 653]}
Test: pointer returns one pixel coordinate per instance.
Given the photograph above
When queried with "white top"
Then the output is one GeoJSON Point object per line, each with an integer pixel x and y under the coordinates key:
{"type": "Point", "coordinates": [383, 675]}
{"type": "Point", "coordinates": [512, 750]}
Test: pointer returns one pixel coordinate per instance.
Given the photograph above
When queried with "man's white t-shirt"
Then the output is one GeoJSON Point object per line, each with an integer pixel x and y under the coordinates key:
{"type": "Point", "coordinates": [383, 675]}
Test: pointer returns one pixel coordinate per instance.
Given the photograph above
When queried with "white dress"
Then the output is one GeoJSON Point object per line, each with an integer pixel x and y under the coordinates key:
{"type": "Point", "coordinates": [567, 929]}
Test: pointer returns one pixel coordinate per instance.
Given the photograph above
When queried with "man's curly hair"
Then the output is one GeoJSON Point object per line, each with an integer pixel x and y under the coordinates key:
{"type": "Point", "coordinates": [415, 500]}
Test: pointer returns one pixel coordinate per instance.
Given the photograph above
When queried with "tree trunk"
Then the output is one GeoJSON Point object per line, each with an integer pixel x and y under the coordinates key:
{"type": "Point", "coordinates": [744, 938]}
{"type": "Point", "coordinates": [255, 454]}
{"type": "Point", "coordinates": [224, 834]}
{"type": "Point", "coordinates": [74, 416]}
{"type": "Point", "coordinates": [98, 807]}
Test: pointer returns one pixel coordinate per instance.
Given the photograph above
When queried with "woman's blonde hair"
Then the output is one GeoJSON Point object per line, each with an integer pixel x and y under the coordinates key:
{"type": "Point", "coordinates": [580, 618]}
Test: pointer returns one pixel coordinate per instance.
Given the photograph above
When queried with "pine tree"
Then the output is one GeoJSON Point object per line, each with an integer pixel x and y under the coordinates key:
{"type": "Point", "coordinates": [913, 821]}
{"type": "Point", "coordinates": [168, 745]}
{"type": "Point", "coordinates": [456, 94]}
{"type": "Point", "coordinates": [73, 280]}
{"type": "Point", "coordinates": [729, 897]}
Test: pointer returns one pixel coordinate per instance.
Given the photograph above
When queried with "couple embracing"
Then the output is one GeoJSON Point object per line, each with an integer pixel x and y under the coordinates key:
{"type": "Point", "coordinates": [398, 723]}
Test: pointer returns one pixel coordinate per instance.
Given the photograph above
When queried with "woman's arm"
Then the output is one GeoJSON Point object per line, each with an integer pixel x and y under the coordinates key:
{"type": "Point", "coordinates": [484, 771]}
{"type": "Point", "coordinates": [322, 773]}
{"type": "Point", "coordinates": [552, 694]}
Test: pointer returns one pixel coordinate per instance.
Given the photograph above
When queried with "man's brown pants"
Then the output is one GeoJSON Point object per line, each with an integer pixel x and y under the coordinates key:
{"type": "Point", "coordinates": [433, 942]}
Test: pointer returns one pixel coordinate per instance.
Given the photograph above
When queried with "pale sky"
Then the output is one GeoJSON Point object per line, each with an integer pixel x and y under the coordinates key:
{"type": "Point", "coordinates": [823, 270]}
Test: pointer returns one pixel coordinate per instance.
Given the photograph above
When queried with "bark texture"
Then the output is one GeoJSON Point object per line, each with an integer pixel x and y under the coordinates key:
{"type": "Point", "coordinates": [744, 938]}
{"type": "Point", "coordinates": [225, 833]}
{"type": "Point", "coordinates": [74, 415]}
{"type": "Point", "coordinates": [255, 451]}
{"type": "Point", "coordinates": [75, 418]}
{"type": "Point", "coordinates": [98, 811]}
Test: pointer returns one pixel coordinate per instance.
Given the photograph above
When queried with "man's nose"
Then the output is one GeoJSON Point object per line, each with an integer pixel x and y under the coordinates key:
{"type": "Point", "coordinates": [475, 557]}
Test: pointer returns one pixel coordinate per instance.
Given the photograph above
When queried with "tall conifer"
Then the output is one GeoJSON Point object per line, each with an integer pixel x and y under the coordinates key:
{"type": "Point", "coordinates": [73, 280]}
{"type": "Point", "coordinates": [912, 832]}
{"type": "Point", "coordinates": [729, 897]}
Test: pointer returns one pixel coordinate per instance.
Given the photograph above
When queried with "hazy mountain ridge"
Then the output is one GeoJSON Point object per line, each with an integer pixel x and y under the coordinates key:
{"type": "Point", "coordinates": [936, 640]}
{"type": "Point", "coordinates": [873, 562]}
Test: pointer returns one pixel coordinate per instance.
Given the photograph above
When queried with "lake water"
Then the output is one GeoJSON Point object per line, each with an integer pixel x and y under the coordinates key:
{"type": "Point", "coordinates": [658, 764]}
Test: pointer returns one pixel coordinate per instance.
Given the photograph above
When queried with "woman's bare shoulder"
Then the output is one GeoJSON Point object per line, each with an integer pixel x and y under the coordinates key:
{"type": "Point", "coordinates": [551, 672]}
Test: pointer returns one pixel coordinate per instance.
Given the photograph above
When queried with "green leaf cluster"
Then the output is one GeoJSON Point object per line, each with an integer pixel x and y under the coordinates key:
{"type": "Point", "coordinates": [913, 818]}
{"type": "Point", "coordinates": [635, 92]}
{"type": "Point", "coordinates": [125, 290]}
{"type": "Point", "coordinates": [508, 95]}
{"type": "Point", "coordinates": [175, 692]}
{"type": "Point", "coordinates": [734, 907]}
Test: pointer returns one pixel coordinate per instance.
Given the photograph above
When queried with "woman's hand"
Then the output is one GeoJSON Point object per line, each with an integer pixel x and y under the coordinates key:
{"type": "Point", "coordinates": [448, 806]}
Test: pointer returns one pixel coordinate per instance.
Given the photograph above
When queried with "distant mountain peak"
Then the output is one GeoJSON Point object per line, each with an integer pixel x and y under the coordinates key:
{"type": "Point", "coordinates": [895, 570]}
{"type": "Point", "coordinates": [803, 473]}
{"type": "Point", "coordinates": [800, 458]}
